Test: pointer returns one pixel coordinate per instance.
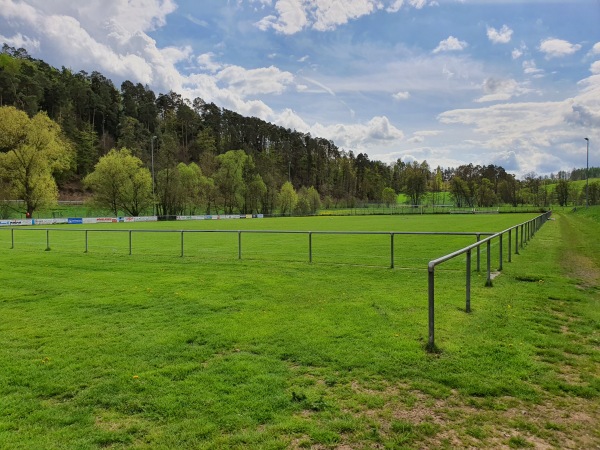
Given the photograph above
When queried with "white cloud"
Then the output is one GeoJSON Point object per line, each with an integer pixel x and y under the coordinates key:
{"type": "Point", "coordinates": [518, 52]}
{"type": "Point", "coordinates": [502, 36]}
{"type": "Point", "coordinates": [374, 133]}
{"type": "Point", "coordinates": [401, 95]}
{"type": "Point", "coordinates": [289, 119]}
{"type": "Point", "coordinates": [395, 6]}
{"type": "Point", "coordinates": [595, 68]}
{"type": "Point", "coordinates": [450, 44]}
{"type": "Point", "coordinates": [322, 87]}
{"type": "Point", "coordinates": [329, 14]}
{"type": "Point", "coordinates": [512, 121]}
{"type": "Point", "coordinates": [428, 133]}
{"type": "Point", "coordinates": [595, 49]}
{"type": "Point", "coordinates": [380, 128]}
{"type": "Point", "coordinates": [377, 131]}
{"type": "Point", "coordinates": [139, 15]}
{"type": "Point", "coordinates": [199, 22]}
{"type": "Point", "coordinates": [205, 61]}
{"type": "Point", "coordinates": [584, 115]}
{"type": "Point", "coordinates": [20, 41]}
{"type": "Point", "coordinates": [416, 140]}
{"type": "Point", "coordinates": [418, 4]}
{"type": "Point", "coordinates": [557, 48]}
{"type": "Point", "coordinates": [495, 89]}
{"type": "Point", "coordinates": [266, 80]}
{"type": "Point", "coordinates": [530, 68]}
{"type": "Point", "coordinates": [292, 16]}
{"type": "Point", "coordinates": [420, 136]}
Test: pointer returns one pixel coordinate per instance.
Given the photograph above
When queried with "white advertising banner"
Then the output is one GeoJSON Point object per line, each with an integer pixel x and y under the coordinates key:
{"type": "Point", "coordinates": [13, 223]}
{"type": "Point", "coordinates": [93, 220]}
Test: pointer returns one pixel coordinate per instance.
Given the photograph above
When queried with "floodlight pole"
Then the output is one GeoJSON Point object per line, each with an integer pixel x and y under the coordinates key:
{"type": "Point", "coordinates": [587, 171]}
{"type": "Point", "coordinates": [152, 165]}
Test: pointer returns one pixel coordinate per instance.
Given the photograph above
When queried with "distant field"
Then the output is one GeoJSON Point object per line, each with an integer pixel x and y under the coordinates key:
{"type": "Point", "coordinates": [107, 350]}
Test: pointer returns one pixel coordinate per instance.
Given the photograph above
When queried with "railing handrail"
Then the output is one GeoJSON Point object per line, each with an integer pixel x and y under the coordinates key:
{"type": "Point", "coordinates": [387, 233]}
{"type": "Point", "coordinates": [433, 263]}
{"type": "Point", "coordinates": [449, 256]}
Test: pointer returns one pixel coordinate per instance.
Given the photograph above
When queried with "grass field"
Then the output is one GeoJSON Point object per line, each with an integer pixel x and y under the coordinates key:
{"type": "Point", "coordinates": [409, 251]}
{"type": "Point", "coordinates": [107, 350]}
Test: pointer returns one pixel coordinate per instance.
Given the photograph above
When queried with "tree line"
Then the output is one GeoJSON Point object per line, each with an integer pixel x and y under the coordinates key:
{"type": "Point", "coordinates": [175, 155]}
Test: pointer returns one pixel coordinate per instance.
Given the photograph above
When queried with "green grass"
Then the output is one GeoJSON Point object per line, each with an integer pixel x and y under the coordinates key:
{"type": "Point", "coordinates": [207, 351]}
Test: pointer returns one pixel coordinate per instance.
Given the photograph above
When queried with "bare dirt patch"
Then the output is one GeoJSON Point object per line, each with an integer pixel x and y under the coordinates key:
{"type": "Point", "coordinates": [498, 423]}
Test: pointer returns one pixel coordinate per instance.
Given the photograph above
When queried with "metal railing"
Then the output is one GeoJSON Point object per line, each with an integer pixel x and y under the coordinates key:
{"type": "Point", "coordinates": [527, 231]}
{"type": "Point", "coordinates": [239, 233]}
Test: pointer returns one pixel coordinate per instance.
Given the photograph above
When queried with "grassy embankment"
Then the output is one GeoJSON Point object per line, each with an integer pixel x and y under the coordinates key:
{"type": "Point", "coordinates": [157, 351]}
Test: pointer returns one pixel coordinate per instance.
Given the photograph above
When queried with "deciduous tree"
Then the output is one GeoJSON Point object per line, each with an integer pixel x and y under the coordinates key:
{"type": "Point", "coordinates": [34, 152]}
{"type": "Point", "coordinates": [314, 200]}
{"type": "Point", "coordinates": [287, 198]}
{"type": "Point", "coordinates": [229, 178]}
{"type": "Point", "coordinates": [415, 181]}
{"type": "Point", "coordinates": [121, 182]}
{"type": "Point", "coordinates": [389, 196]}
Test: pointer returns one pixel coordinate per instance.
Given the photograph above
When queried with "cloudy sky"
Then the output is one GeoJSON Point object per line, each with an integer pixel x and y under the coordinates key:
{"type": "Point", "coordinates": [508, 82]}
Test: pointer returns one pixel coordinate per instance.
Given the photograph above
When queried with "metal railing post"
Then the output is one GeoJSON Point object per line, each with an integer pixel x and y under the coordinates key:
{"type": "Point", "coordinates": [310, 247]}
{"type": "Point", "coordinates": [47, 240]}
{"type": "Point", "coordinates": [468, 283]}
{"type": "Point", "coordinates": [182, 243]}
{"type": "Point", "coordinates": [478, 254]}
{"type": "Point", "coordinates": [500, 245]}
{"type": "Point", "coordinates": [488, 282]}
{"type": "Point", "coordinates": [531, 229]}
{"type": "Point", "coordinates": [522, 234]}
{"type": "Point", "coordinates": [239, 245]}
{"type": "Point", "coordinates": [391, 250]}
{"type": "Point", "coordinates": [510, 245]}
{"type": "Point", "coordinates": [431, 291]}
{"type": "Point", "coordinates": [12, 238]}
{"type": "Point", "coordinates": [86, 241]}
{"type": "Point", "coordinates": [130, 242]}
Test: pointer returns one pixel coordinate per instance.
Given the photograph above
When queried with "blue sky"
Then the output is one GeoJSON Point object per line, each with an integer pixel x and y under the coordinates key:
{"type": "Point", "coordinates": [514, 83]}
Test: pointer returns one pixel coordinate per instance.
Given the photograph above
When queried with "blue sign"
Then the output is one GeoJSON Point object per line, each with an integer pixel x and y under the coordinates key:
{"type": "Point", "coordinates": [75, 220]}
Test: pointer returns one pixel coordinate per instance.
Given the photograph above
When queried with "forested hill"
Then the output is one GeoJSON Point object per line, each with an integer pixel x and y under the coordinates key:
{"type": "Point", "coordinates": [97, 116]}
